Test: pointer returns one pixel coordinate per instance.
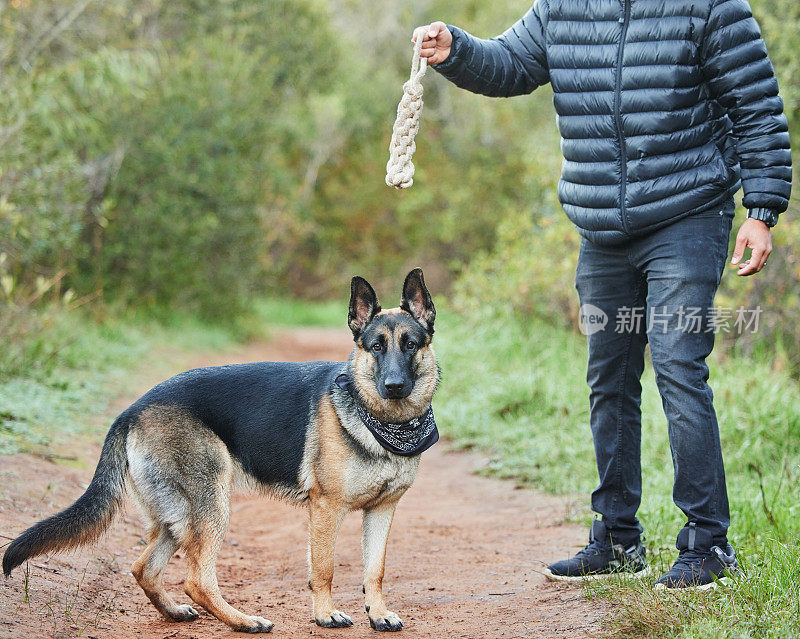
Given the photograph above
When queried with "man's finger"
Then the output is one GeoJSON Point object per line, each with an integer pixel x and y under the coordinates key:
{"type": "Point", "coordinates": [738, 251]}
{"type": "Point", "coordinates": [753, 265]}
{"type": "Point", "coordinates": [435, 28]}
{"type": "Point", "coordinates": [756, 258]}
{"type": "Point", "coordinates": [763, 258]}
{"type": "Point", "coordinates": [746, 268]}
{"type": "Point", "coordinates": [420, 30]}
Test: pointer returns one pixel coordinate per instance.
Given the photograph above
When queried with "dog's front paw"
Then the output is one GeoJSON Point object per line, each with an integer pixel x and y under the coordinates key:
{"type": "Point", "coordinates": [390, 622]}
{"type": "Point", "coordinates": [334, 620]}
{"type": "Point", "coordinates": [183, 613]}
{"type": "Point", "coordinates": [256, 624]}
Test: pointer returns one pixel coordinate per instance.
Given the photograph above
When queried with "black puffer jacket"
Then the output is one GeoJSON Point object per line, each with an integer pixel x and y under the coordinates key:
{"type": "Point", "coordinates": [665, 108]}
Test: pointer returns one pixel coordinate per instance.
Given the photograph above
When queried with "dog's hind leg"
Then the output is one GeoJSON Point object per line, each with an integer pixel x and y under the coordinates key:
{"type": "Point", "coordinates": [181, 475]}
{"type": "Point", "coordinates": [201, 582]}
{"type": "Point", "coordinates": [148, 570]}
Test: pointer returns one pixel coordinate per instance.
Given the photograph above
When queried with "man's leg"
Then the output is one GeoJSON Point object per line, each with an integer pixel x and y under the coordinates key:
{"type": "Point", "coordinates": [612, 296]}
{"type": "Point", "coordinates": [607, 280]}
{"type": "Point", "coordinates": [683, 264]}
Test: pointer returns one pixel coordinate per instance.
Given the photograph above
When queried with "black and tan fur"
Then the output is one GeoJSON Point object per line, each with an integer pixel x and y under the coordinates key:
{"type": "Point", "coordinates": [286, 429]}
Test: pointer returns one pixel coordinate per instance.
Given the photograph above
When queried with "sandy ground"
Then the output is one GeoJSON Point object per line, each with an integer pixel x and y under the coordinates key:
{"type": "Point", "coordinates": [465, 553]}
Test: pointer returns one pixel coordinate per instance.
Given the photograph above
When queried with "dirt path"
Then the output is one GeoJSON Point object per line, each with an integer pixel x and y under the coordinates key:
{"type": "Point", "coordinates": [465, 553]}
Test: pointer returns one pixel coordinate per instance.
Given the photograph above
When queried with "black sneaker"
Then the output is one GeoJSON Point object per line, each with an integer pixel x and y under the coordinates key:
{"type": "Point", "coordinates": [700, 565]}
{"type": "Point", "coordinates": [601, 559]}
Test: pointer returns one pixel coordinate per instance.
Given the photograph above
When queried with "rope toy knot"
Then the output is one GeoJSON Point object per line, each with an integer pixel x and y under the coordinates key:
{"type": "Point", "coordinates": [400, 168]}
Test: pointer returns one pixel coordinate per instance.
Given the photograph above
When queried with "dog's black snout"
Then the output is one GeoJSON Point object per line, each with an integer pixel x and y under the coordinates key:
{"type": "Point", "coordinates": [394, 385]}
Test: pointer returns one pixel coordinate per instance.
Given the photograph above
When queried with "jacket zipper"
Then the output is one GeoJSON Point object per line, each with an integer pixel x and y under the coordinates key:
{"type": "Point", "coordinates": [623, 160]}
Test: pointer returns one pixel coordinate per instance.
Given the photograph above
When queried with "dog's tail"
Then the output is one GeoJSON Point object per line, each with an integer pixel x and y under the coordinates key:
{"type": "Point", "coordinates": [87, 518]}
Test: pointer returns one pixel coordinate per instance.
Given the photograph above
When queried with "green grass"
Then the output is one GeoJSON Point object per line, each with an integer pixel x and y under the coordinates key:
{"type": "Point", "coordinates": [516, 389]}
{"type": "Point", "coordinates": [289, 312]}
{"type": "Point", "coordinates": [60, 369]}
{"type": "Point", "coordinates": [70, 366]}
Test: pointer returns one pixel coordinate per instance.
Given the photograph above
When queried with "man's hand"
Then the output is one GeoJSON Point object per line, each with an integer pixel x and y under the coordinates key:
{"type": "Point", "coordinates": [437, 42]}
{"type": "Point", "coordinates": [755, 235]}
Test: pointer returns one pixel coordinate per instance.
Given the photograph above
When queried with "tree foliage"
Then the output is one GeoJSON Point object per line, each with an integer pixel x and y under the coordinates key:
{"type": "Point", "coordinates": [196, 152]}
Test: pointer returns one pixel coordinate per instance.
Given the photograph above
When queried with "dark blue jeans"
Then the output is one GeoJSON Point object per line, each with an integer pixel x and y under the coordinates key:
{"type": "Point", "coordinates": [657, 289]}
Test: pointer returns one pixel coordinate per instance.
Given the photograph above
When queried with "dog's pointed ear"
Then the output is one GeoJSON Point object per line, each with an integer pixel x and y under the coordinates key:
{"type": "Point", "coordinates": [417, 301]}
{"type": "Point", "coordinates": [363, 305]}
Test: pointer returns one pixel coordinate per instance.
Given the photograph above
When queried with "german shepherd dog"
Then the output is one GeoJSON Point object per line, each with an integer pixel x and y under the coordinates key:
{"type": "Point", "coordinates": [292, 430]}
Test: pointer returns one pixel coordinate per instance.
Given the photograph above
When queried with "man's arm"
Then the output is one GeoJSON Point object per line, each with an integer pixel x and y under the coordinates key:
{"type": "Point", "coordinates": [740, 77]}
{"type": "Point", "coordinates": [514, 63]}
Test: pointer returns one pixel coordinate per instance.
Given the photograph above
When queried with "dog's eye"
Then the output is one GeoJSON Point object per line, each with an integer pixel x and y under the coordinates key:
{"type": "Point", "coordinates": [377, 347]}
{"type": "Point", "coordinates": [411, 346]}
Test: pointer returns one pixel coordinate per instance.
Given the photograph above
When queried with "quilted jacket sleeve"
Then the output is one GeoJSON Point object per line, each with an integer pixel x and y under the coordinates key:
{"type": "Point", "coordinates": [740, 77]}
{"type": "Point", "coordinates": [513, 63]}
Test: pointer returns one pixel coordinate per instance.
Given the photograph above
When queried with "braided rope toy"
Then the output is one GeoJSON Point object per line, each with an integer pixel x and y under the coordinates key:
{"type": "Point", "coordinates": [400, 168]}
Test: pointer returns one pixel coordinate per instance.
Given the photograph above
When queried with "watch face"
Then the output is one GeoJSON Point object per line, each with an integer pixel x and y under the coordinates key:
{"type": "Point", "coordinates": [770, 219]}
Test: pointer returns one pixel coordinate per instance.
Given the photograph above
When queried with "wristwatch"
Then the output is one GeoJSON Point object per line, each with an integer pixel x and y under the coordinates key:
{"type": "Point", "coordinates": [768, 216]}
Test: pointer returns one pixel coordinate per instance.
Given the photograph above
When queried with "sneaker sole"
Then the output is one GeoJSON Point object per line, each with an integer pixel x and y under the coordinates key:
{"type": "Point", "coordinates": [722, 581]}
{"type": "Point", "coordinates": [600, 576]}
